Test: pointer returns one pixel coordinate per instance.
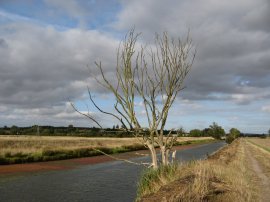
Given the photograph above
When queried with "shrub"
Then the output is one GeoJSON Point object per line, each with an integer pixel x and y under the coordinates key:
{"type": "Point", "coordinates": [229, 139]}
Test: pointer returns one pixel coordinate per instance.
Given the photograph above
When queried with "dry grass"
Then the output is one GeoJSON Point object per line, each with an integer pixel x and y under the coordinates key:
{"type": "Point", "coordinates": [260, 153]}
{"type": "Point", "coordinates": [261, 142]}
{"type": "Point", "coordinates": [34, 144]}
{"type": "Point", "coordinates": [224, 177]}
{"type": "Point", "coordinates": [38, 144]}
{"type": "Point", "coordinates": [259, 160]}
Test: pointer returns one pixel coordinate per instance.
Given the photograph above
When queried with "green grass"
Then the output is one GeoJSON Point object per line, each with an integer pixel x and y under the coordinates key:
{"type": "Point", "coordinates": [150, 177]}
{"type": "Point", "coordinates": [50, 155]}
{"type": "Point", "coordinates": [195, 142]}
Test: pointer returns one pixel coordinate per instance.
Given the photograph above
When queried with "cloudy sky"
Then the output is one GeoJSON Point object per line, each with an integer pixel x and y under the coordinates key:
{"type": "Point", "coordinates": [46, 46]}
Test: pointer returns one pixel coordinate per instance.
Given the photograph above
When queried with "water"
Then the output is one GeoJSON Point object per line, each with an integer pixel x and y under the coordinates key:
{"type": "Point", "coordinates": [112, 181]}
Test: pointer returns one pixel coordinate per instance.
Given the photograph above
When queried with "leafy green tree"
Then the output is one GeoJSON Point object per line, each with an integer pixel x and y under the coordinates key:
{"type": "Point", "coordinates": [229, 139]}
{"type": "Point", "coordinates": [14, 130]}
{"type": "Point", "coordinates": [216, 131]}
{"type": "Point", "coordinates": [206, 132]}
{"type": "Point", "coordinates": [51, 130]}
{"type": "Point", "coordinates": [234, 133]}
{"type": "Point", "coordinates": [71, 129]}
{"type": "Point", "coordinates": [195, 133]}
{"type": "Point", "coordinates": [181, 132]}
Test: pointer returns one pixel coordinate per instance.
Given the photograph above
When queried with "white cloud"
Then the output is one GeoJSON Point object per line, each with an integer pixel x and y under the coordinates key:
{"type": "Point", "coordinates": [266, 108]}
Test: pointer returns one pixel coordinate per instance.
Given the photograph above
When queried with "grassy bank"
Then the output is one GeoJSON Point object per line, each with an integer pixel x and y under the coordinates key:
{"type": "Point", "coordinates": [225, 176]}
{"type": "Point", "coordinates": [23, 149]}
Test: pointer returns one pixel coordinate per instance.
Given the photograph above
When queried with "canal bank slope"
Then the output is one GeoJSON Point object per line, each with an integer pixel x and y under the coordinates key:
{"type": "Point", "coordinates": [227, 175]}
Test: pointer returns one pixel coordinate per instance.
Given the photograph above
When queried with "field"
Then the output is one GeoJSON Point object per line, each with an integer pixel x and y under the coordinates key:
{"type": "Point", "coordinates": [20, 149]}
{"type": "Point", "coordinates": [264, 143]}
{"type": "Point", "coordinates": [237, 172]}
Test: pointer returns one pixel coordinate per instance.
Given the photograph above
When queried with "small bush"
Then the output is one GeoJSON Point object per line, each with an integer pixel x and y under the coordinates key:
{"type": "Point", "coordinates": [229, 139]}
{"type": "Point", "coordinates": [3, 160]}
{"type": "Point", "coordinates": [48, 153]}
{"type": "Point", "coordinates": [7, 154]}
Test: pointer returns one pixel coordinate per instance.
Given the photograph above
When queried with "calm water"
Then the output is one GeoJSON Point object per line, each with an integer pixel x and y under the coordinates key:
{"type": "Point", "coordinates": [112, 181]}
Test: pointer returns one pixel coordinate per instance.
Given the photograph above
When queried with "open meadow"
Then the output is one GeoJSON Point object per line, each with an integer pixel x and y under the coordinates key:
{"type": "Point", "coordinates": [20, 149]}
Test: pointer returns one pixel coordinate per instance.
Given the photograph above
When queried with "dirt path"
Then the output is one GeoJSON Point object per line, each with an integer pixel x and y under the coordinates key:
{"type": "Point", "coordinates": [264, 179]}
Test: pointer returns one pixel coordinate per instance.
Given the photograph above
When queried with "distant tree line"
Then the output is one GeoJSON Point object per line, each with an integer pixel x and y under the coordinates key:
{"type": "Point", "coordinates": [115, 131]}
{"type": "Point", "coordinates": [57, 131]}
{"type": "Point", "coordinates": [213, 130]}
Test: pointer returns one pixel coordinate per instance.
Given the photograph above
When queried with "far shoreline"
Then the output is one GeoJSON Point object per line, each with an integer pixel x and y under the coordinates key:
{"type": "Point", "coordinates": [76, 162]}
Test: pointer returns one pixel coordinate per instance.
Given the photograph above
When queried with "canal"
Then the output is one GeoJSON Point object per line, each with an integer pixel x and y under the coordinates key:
{"type": "Point", "coordinates": [113, 181]}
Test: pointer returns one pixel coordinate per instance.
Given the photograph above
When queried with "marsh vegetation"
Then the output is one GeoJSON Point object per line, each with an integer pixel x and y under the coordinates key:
{"type": "Point", "coordinates": [23, 149]}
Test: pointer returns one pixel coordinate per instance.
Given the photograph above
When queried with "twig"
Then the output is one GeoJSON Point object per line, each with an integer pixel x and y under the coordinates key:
{"type": "Point", "coordinates": [119, 159]}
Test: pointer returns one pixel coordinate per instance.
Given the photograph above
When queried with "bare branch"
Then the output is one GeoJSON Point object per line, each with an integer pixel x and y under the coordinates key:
{"type": "Point", "coordinates": [120, 159]}
{"type": "Point", "coordinates": [102, 111]}
{"type": "Point", "coordinates": [86, 115]}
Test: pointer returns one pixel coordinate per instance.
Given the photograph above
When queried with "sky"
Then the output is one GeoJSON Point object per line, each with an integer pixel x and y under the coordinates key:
{"type": "Point", "coordinates": [48, 49]}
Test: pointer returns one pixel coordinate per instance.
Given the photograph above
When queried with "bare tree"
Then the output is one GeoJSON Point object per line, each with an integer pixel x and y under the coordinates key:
{"type": "Point", "coordinates": [155, 76]}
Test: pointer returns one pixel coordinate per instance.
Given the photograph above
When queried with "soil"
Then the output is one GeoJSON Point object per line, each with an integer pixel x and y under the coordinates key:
{"type": "Point", "coordinates": [73, 163]}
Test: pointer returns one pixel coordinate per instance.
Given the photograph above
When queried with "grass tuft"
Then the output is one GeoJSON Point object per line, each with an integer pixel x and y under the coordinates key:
{"type": "Point", "coordinates": [152, 179]}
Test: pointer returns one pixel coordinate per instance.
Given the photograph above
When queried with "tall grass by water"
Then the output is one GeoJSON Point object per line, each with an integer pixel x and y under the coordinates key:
{"type": "Point", "coordinates": [23, 149]}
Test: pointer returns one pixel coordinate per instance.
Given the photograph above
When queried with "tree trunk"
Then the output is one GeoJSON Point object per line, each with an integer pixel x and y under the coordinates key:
{"type": "Point", "coordinates": [173, 156]}
{"type": "Point", "coordinates": [167, 156]}
{"type": "Point", "coordinates": [164, 157]}
{"type": "Point", "coordinates": [153, 155]}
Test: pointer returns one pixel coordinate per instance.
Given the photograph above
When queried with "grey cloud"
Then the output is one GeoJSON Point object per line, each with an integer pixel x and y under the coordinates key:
{"type": "Point", "coordinates": [62, 115]}
{"type": "Point", "coordinates": [43, 66]}
{"type": "Point", "coordinates": [232, 41]}
{"type": "Point", "coordinates": [258, 18]}
{"type": "Point", "coordinates": [3, 43]}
